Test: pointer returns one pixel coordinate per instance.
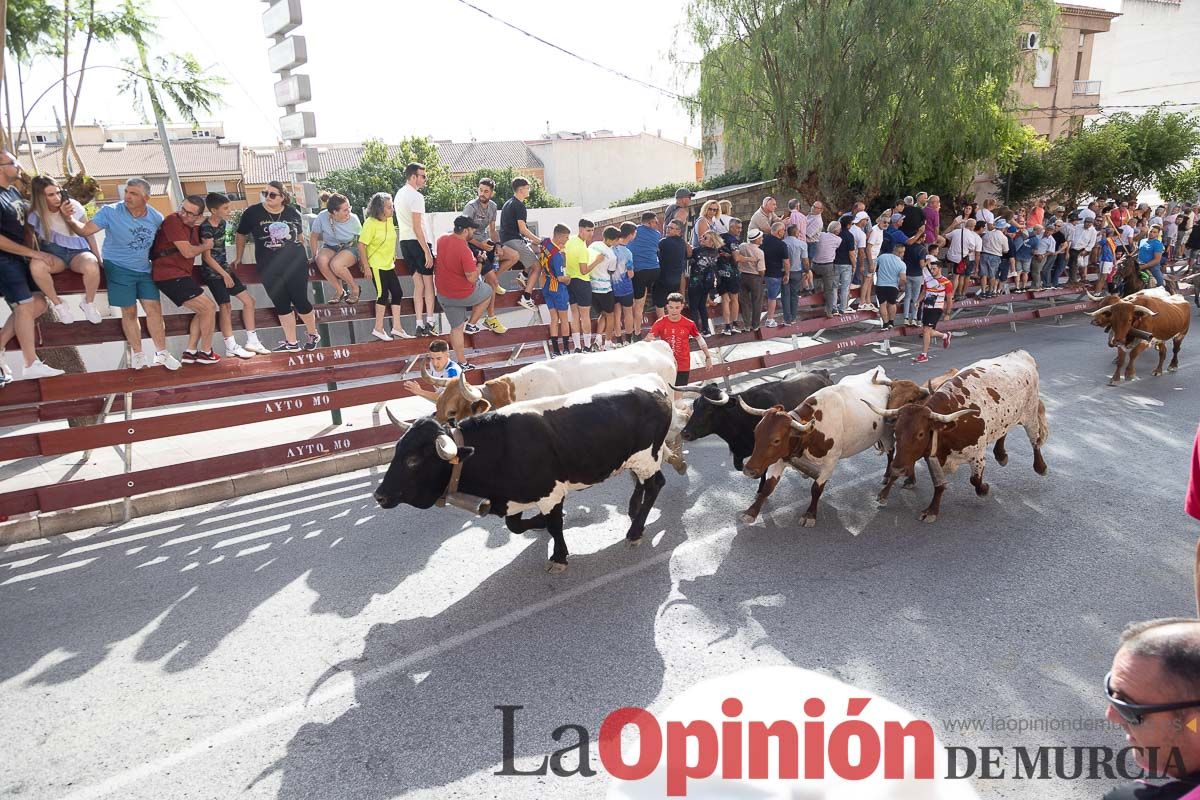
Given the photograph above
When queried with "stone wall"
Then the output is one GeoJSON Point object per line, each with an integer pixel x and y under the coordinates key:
{"type": "Point", "coordinates": [745, 197]}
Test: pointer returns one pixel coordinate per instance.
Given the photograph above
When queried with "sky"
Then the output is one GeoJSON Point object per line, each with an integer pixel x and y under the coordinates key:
{"type": "Point", "coordinates": [394, 68]}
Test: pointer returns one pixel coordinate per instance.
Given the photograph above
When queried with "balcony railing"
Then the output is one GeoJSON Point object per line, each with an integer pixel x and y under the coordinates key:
{"type": "Point", "coordinates": [1086, 87]}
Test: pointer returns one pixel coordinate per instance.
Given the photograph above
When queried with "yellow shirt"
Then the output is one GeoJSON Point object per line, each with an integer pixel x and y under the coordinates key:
{"type": "Point", "coordinates": [576, 252]}
{"type": "Point", "coordinates": [379, 238]}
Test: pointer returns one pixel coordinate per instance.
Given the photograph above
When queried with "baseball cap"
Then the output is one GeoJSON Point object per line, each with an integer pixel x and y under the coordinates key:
{"type": "Point", "coordinates": [1000, 223]}
{"type": "Point", "coordinates": [754, 235]}
{"type": "Point", "coordinates": [680, 193]}
{"type": "Point", "coordinates": [861, 216]}
{"type": "Point", "coordinates": [463, 222]}
{"type": "Point", "coordinates": [897, 217]}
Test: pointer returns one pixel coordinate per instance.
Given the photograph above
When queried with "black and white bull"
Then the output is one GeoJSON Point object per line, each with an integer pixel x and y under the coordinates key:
{"type": "Point", "coordinates": [715, 411]}
{"type": "Point", "coordinates": [528, 455]}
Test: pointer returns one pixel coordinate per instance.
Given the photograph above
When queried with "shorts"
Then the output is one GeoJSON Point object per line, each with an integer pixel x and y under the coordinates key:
{"type": "Point", "coordinates": [220, 292]}
{"type": "Point", "coordinates": [287, 284]}
{"type": "Point", "coordinates": [557, 300]}
{"type": "Point", "coordinates": [1106, 268]}
{"type": "Point", "coordinates": [525, 253]}
{"type": "Point", "coordinates": [625, 300]}
{"type": "Point", "coordinates": [16, 284]}
{"type": "Point", "coordinates": [930, 317]}
{"type": "Point", "coordinates": [774, 287]}
{"type": "Point", "coordinates": [67, 254]}
{"type": "Point", "coordinates": [180, 290]}
{"type": "Point", "coordinates": [414, 257]}
{"type": "Point", "coordinates": [961, 267]}
{"type": "Point", "coordinates": [729, 284]}
{"type": "Point", "coordinates": [489, 258]}
{"type": "Point", "coordinates": [580, 292]}
{"type": "Point", "coordinates": [341, 248]}
{"type": "Point", "coordinates": [1023, 265]}
{"type": "Point", "coordinates": [682, 376]}
{"type": "Point", "coordinates": [989, 265]}
{"type": "Point", "coordinates": [458, 310]}
{"type": "Point", "coordinates": [1084, 259]}
{"type": "Point", "coordinates": [643, 279]}
{"type": "Point", "coordinates": [603, 302]}
{"type": "Point", "coordinates": [887, 294]}
{"type": "Point", "coordinates": [662, 288]}
{"type": "Point", "coordinates": [126, 287]}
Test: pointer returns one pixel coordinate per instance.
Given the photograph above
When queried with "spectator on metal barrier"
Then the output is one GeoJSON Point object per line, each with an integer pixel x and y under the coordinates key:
{"type": "Point", "coordinates": [752, 267]}
{"type": "Point", "coordinates": [622, 283]}
{"type": "Point", "coordinates": [702, 278]}
{"type": "Point", "coordinates": [777, 260]}
{"type": "Point", "coordinates": [554, 290]}
{"type": "Point", "coordinates": [821, 253]}
{"type": "Point", "coordinates": [729, 277]}
{"type": "Point", "coordinates": [333, 241]}
{"type": "Point", "coordinates": [577, 270]}
{"type": "Point", "coordinates": [414, 249]}
{"type": "Point", "coordinates": [130, 228]}
{"type": "Point", "coordinates": [221, 279]}
{"type": "Point", "coordinates": [463, 294]}
{"type": "Point", "coordinates": [889, 268]}
{"type": "Point", "coordinates": [1043, 250]}
{"type": "Point", "coordinates": [644, 247]}
{"type": "Point", "coordinates": [494, 258]}
{"type": "Point", "coordinates": [845, 258]}
{"type": "Point", "coordinates": [764, 216]}
{"type": "Point", "coordinates": [438, 364]}
{"type": "Point", "coordinates": [937, 298]}
{"type": "Point", "coordinates": [704, 222]}
{"type": "Point", "coordinates": [681, 209]}
{"type": "Point", "coordinates": [603, 265]}
{"type": "Point", "coordinates": [673, 254]}
{"type": "Point", "coordinates": [173, 263]}
{"type": "Point", "coordinates": [1025, 244]}
{"type": "Point", "coordinates": [995, 245]}
{"type": "Point", "coordinates": [377, 251]}
{"type": "Point", "coordinates": [798, 267]}
{"type": "Point", "coordinates": [67, 249]}
{"type": "Point", "coordinates": [516, 236]}
{"type": "Point", "coordinates": [864, 268]}
{"type": "Point", "coordinates": [962, 252]}
{"type": "Point", "coordinates": [1153, 694]}
{"type": "Point", "coordinates": [721, 225]}
{"type": "Point", "coordinates": [278, 234]}
{"type": "Point", "coordinates": [1082, 242]}
{"type": "Point", "coordinates": [16, 285]}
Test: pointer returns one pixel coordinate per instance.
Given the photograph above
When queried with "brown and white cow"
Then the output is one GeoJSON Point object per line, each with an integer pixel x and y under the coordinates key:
{"type": "Point", "coordinates": [969, 412]}
{"type": "Point", "coordinates": [1151, 317]}
{"type": "Point", "coordinates": [831, 424]}
{"type": "Point", "coordinates": [901, 393]}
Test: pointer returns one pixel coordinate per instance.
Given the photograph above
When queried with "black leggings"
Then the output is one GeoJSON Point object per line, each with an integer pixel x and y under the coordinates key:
{"type": "Point", "coordinates": [390, 292]}
{"type": "Point", "coordinates": [286, 282]}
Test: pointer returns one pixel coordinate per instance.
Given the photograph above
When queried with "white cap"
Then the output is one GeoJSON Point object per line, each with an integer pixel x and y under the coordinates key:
{"type": "Point", "coordinates": [860, 216]}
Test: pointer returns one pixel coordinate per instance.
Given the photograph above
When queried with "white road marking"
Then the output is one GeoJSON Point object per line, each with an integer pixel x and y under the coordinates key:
{"type": "Point", "coordinates": [28, 576]}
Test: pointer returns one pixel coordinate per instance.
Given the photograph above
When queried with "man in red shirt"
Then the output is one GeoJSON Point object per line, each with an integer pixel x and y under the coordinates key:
{"type": "Point", "coordinates": [173, 263]}
{"type": "Point", "coordinates": [677, 330]}
{"type": "Point", "coordinates": [1192, 506]}
{"type": "Point", "coordinates": [463, 296]}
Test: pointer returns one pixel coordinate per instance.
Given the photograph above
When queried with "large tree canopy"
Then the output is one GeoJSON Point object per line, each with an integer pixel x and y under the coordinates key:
{"type": "Point", "coordinates": [838, 93]}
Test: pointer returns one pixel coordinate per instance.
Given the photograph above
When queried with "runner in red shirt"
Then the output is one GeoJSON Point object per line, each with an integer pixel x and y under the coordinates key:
{"type": "Point", "coordinates": [937, 296]}
{"type": "Point", "coordinates": [676, 330]}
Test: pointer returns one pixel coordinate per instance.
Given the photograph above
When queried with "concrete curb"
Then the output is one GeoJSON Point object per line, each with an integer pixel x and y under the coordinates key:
{"type": "Point", "coordinates": [56, 523]}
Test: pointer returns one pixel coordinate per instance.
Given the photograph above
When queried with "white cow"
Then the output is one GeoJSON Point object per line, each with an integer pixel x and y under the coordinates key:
{"type": "Point", "coordinates": [832, 424]}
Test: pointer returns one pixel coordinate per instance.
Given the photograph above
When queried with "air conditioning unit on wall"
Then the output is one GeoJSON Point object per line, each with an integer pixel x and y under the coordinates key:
{"type": "Point", "coordinates": [1031, 40]}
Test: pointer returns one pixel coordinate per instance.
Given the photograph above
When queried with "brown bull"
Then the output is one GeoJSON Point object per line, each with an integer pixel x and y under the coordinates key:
{"type": "Point", "coordinates": [1145, 318]}
{"type": "Point", "coordinates": [903, 392]}
{"type": "Point", "coordinates": [460, 399]}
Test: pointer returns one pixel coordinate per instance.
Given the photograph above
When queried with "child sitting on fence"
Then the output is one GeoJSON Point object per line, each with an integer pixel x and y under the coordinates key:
{"type": "Point", "coordinates": [222, 280]}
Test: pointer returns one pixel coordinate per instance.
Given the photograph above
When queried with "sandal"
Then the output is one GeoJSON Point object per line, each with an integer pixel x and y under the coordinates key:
{"type": "Point", "coordinates": [352, 299]}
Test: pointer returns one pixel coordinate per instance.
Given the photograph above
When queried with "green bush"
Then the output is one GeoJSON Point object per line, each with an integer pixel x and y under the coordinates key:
{"type": "Point", "coordinates": [667, 190]}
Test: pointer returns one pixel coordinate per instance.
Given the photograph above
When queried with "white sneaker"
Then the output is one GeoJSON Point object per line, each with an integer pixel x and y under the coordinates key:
{"type": "Point", "coordinates": [238, 351]}
{"type": "Point", "coordinates": [771, 323]}
{"type": "Point", "coordinates": [381, 336]}
{"type": "Point", "coordinates": [6, 374]}
{"type": "Point", "coordinates": [400, 333]}
{"type": "Point", "coordinates": [255, 346]}
{"type": "Point", "coordinates": [90, 313]}
{"type": "Point", "coordinates": [39, 370]}
{"type": "Point", "coordinates": [139, 360]}
{"type": "Point", "coordinates": [165, 359]}
{"type": "Point", "coordinates": [62, 313]}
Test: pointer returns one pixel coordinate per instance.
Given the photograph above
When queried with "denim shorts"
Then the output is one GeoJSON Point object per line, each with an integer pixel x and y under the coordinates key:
{"type": "Point", "coordinates": [989, 265]}
{"type": "Point", "coordinates": [126, 287]}
{"type": "Point", "coordinates": [1023, 264]}
{"type": "Point", "coordinates": [774, 287]}
{"type": "Point", "coordinates": [67, 254]}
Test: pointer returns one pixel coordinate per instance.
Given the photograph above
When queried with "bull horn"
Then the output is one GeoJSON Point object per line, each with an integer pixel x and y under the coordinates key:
{"type": "Point", "coordinates": [886, 413]}
{"type": "Point", "coordinates": [443, 382]}
{"type": "Point", "coordinates": [469, 390]}
{"type": "Point", "coordinates": [686, 390]}
{"type": "Point", "coordinates": [799, 426]}
{"type": "Point", "coordinates": [1143, 311]}
{"type": "Point", "coordinates": [403, 426]}
{"type": "Point", "coordinates": [447, 450]}
{"type": "Point", "coordinates": [723, 398]}
{"type": "Point", "coordinates": [1095, 297]}
{"type": "Point", "coordinates": [948, 418]}
{"type": "Point", "coordinates": [757, 412]}
{"type": "Point", "coordinates": [875, 379]}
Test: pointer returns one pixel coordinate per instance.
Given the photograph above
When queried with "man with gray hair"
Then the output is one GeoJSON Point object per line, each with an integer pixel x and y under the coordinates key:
{"type": "Point", "coordinates": [130, 227]}
{"type": "Point", "coordinates": [1153, 693]}
{"type": "Point", "coordinates": [764, 217]}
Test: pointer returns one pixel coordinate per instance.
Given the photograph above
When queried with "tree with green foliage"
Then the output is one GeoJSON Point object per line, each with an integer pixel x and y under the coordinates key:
{"type": "Point", "coordinates": [1180, 184]}
{"type": "Point", "coordinates": [667, 190]}
{"type": "Point", "coordinates": [381, 169]}
{"type": "Point", "coordinates": [1119, 157]}
{"type": "Point", "coordinates": [830, 94]}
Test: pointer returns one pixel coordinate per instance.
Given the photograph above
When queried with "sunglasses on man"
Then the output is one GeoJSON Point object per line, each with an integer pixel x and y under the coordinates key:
{"type": "Point", "coordinates": [1134, 713]}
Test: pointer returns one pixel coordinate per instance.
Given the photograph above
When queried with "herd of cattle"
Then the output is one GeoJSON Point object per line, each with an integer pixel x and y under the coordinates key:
{"type": "Point", "coordinates": [522, 441]}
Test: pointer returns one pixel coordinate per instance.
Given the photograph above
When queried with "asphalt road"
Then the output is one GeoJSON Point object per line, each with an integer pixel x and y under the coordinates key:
{"type": "Point", "coordinates": [306, 644]}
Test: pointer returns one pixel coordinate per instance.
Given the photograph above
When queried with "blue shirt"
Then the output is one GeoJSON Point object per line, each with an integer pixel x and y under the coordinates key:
{"type": "Point", "coordinates": [891, 238]}
{"type": "Point", "coordinates": [1020, 247]}
{"type": "Point", "coordinates": [1148, 249]}
{"type": "Point", "coordinates": [797, 252]}
{"type": "Point", "coordinates": [644, 248]}
{"type": "Point", "coordinates": [888, 269]}
{"type": "Point", "coordinates": [127, 239]}
{"type": "Point", "coordinates": [1106, 252]}
{"type": "Point", "coordinates": [1029, 248]}
{"type": "Point", "coordinates": [622, 284]}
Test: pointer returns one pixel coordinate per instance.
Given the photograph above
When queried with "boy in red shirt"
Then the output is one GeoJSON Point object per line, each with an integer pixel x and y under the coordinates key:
{"type": "Point", "coordinates": [937, 297]}
{"type": "Point", "coordinates": [676, 330]}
